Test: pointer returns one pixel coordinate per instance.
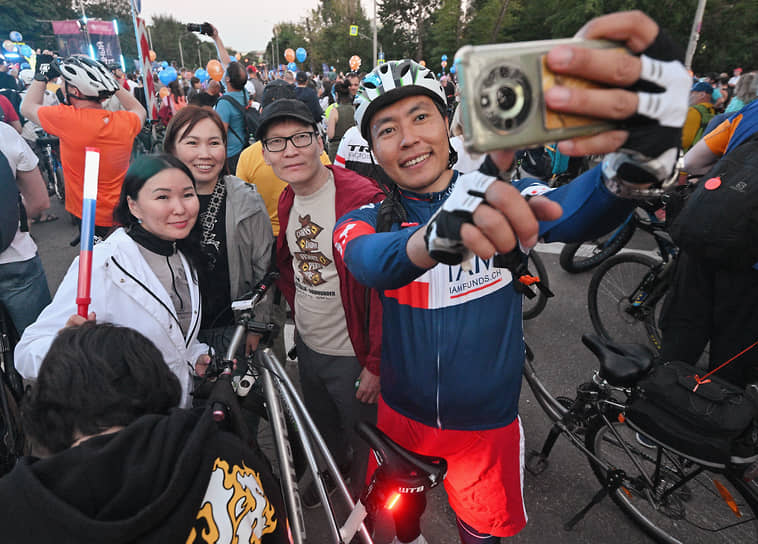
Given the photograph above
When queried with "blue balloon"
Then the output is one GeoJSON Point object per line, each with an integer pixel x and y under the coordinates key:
{"type": "Point", "coordinates": [164, 64]}
{"type": "Point", "coordinates": [452, 69]}
{"type": "Point", "coordinates": [25, 65]}
{"type": "Point", "coordinates": [16, 36]}
{"type": "Point", "coordinates": [168, 75]}
{"type": "Point", "coordinates": [292, 67]}
{"type": "Point", "coordinates": [26, 51]}
{"type": "Point", "coordinates": [300, 54]}
{"type": "Point", "coordinates": [202, 75]}
{"type": "Point", "coordinates": [444, 57]}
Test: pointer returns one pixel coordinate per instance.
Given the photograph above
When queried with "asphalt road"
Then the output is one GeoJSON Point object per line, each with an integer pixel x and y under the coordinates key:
{"type": "Point", "coordinates": [562, 361]}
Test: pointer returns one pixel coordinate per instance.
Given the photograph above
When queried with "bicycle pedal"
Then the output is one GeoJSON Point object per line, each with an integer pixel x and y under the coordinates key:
{"type": "Point", "coordinates": [535, 462]}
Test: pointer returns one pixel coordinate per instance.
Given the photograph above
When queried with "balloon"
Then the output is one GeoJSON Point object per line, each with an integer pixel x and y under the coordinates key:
{"type": "Point", "coordinates": [215, 70]}
{"type": "Point", "coordinates": [24, 65]}
{"type": "Point", "coordinates": [152, 56]}
{"type": "Point", "coordinates": [452, 69]}
{"type": "Point", "coordinates": [289, 54]}
{"type": "Point", "coordinates": [355, 63]}
{"type": "Point", "coordinates": [301, 54]}
{"type": "Point", "coordinates": [9, 46]}
{"type": "Point", "coordinates": [16, 36]}
{"type": "Point", "coordinates": [422, 63]}
{"type": "Point", "coordinates": [164, 92]}
{"type": "Point", "coordinates": [444, 57]}
{"type": "Point", "coordinates": [25, 51]}
{"type": "Point", "coordinates": [292, 67]}
{"type": "Point", "coordinates": [202, 75]}
{"type": "Point", "coordinates": [164, 64]}
{"type": "Point", "coordinates": [168, 75]}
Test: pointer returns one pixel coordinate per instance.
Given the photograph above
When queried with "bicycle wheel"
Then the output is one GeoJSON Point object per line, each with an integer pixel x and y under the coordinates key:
{"type": "Point", "coordinates": [613, 286]}
{"type": "Point", "coordinates": [585, 256]}
{"type": "Point", "coordinates": [710, 507]}
{"type": "Point", "coordinates": [532, 307]}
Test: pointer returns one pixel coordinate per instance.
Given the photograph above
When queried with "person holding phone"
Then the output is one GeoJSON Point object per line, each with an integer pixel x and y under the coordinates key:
{"type": "Point", "coordinates": [452, 346]}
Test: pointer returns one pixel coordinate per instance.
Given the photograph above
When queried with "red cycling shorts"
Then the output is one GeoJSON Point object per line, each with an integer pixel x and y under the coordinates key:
{"type": "Point", "coordinates": [485, 474]}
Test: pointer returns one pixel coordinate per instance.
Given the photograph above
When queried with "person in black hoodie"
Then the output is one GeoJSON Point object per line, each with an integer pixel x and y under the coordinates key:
{"type": "Point", "coordinates": [117, 464]}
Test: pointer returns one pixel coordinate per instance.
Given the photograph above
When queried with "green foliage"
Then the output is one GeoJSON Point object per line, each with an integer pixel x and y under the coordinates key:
{"type": "Point", "coordinates": [31, 19]}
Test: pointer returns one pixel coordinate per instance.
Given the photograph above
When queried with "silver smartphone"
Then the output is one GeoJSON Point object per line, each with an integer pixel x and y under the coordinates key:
{"type": "Point", "coordinates": [502, 95]}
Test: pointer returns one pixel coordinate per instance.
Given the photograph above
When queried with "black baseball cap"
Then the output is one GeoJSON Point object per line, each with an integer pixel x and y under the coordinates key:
{"type": "Point", "coordinates": [301, 77]}
{"type": "Point", "coordinates": [285, 108]}
{"type": "Point", "coordinates": [276, 90]}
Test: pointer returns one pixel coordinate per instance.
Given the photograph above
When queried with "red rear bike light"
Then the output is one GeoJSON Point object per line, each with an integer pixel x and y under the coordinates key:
{"type": "Point", "coordinates": [392, 501]}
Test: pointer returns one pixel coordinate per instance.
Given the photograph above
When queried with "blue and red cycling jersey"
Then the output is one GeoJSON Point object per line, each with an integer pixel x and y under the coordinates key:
{"type": "Point", "coordinates": [452, 344]}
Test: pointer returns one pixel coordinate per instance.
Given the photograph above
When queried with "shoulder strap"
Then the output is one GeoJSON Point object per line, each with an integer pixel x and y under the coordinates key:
{"type": "Point", "coordinates": [240, 109]}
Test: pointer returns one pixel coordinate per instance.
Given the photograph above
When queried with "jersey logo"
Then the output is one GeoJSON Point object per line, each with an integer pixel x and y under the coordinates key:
{"type": "Point", "coordinates": [445, 286]}
{"type": "Point", "coordinates": [310, 260]}
{"type": "Point", "coordinates": [234, 508]}
{"type": "Point", "coordinates": [349, 231]}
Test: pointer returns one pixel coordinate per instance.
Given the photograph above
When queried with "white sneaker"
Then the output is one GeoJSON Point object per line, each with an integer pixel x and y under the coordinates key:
{"type": "Point", "coordinates": [418, 540]}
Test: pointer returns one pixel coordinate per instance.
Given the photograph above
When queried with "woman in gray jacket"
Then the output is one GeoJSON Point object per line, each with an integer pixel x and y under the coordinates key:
{"type": "Point", "coordinates": [235, 226]}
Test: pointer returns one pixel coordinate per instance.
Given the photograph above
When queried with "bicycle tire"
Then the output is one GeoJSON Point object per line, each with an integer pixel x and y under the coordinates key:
{"type": "Point", "coordinates": [696, 513]}
{"type": "Point", "coordinates": [531, 308]}
{"type": "Point", "coordinates": [573, 260]}
{"type": "Point", "coordinates": [608, 301]}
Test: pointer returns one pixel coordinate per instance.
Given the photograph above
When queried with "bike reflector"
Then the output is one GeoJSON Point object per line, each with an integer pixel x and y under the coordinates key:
{"type": "Point", "coordinates": [392, 501]}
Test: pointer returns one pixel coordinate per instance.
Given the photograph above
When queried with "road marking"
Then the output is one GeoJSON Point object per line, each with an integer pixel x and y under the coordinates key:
{"type": "Point", "coordinates": [586, 249]}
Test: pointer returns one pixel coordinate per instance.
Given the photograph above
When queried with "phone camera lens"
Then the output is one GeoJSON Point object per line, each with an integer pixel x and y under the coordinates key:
{"type": "Point", "coordinates": [506, 98]}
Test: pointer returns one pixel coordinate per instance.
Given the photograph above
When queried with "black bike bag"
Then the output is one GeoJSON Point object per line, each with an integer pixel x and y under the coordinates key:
{"type": "Point", "coordinates": [710, 419]}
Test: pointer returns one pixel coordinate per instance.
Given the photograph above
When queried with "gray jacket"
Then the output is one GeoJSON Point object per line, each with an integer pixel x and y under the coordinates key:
{"type": "Point", "coordinates": [249, 241]}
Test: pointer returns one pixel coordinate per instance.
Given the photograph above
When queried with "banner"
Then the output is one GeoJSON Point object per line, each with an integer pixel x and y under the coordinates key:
{"type": "Point", "coordinates": [143, 46]}
{"type": "Point", "coordinates": [104, 39]}
{"type": "Point", "coordinates": [72, 40]}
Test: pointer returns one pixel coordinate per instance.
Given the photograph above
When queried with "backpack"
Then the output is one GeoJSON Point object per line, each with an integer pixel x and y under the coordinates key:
{"type": "Point", "coordinates": [14, 97]}
{"type": "Point", "coordinates": [706, 114]}
{"type": "Point", "coordinates": [250, 117]}
{"type": "Point", "coordinates": [719, 221]}
{"type": "Point", "coordinates": [10, 213]}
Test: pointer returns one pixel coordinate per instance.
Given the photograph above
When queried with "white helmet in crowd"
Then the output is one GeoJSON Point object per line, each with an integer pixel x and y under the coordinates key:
{"type": "Point", "coordinates": [91, 77]}
{"type": "Point", "coordinates": [26, 76]}
{"type": "Point", "coordinates": [390, 82]}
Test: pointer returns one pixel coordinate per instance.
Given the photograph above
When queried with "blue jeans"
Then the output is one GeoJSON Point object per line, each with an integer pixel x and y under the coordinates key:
{"type": "Point", "coordinates": [24, 291]}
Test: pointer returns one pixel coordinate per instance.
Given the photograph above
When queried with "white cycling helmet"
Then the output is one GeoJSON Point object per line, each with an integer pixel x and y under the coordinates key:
{"type": "Point", "coordinates": [26, 76]}
{"type": "Point", "coordinates": [390, 82]}
{"type": "Point", "coordinates": [91, 77]}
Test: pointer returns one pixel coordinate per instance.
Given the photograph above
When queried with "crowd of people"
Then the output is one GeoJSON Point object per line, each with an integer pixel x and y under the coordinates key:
{"type": "Point", "coordinates": [384, 231]}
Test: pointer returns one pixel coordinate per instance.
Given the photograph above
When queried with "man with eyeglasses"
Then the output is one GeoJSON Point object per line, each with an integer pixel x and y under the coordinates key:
{"type": "Point", "coordinates": [337, 320]}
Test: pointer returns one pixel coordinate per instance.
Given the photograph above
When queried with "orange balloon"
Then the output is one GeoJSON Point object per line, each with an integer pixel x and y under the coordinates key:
{"type": "Point", "coordinates": [355, 63]}
{"type": "Point", "coordinates": [289, 54]}
{"type": "Point", "coordinates": [215, 70]}
{"type": "Point", "coordinates": [164, 92]}
{"type": "Point", "coordinates": [151, 54]}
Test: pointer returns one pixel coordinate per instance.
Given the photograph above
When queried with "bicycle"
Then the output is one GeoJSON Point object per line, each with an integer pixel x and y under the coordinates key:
{"type": "Point", "coordinates": [625, 291]}
{"type": "Point", "coordinates": [674, 496]}
{"type": "Point", "coordinates": [533, 306]}
{"type": "Point", "coordinates": [12, 442]}
{"type": "Point", "coordinates": [400, 471]}
{"type": "Point", "coordinates": [582, 256]}
{"type": "Point", "coordinates": [150, 139]}
{"type": "Point", "coordinates": [51, 163]}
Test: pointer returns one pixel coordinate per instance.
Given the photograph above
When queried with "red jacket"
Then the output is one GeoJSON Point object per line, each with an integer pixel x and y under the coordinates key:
{"type": "Point", "coordinates": [352, 191]}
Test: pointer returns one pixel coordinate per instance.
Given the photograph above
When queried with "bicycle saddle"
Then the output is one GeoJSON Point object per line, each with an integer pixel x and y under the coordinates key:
{"type": "Point", "coordinates": [403, 466]}
{"type": "Point", "coordinates": [45, 140]}
{"type": "Point", "coordinates": [621, 365]}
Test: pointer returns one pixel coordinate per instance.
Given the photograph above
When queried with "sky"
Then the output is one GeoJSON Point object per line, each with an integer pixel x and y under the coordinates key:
{"type": "Point", "coordinates": [244, 25]}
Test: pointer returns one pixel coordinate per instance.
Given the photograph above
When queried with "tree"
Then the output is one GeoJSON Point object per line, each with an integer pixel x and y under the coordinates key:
{"type": "Point", "coordinates": [405, 26]}
{"type": "Point", "coordinates": [32, 19]}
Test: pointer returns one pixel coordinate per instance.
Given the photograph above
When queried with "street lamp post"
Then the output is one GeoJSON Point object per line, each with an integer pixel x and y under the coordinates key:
{"type": "Point", "coordinates": [181, 53]}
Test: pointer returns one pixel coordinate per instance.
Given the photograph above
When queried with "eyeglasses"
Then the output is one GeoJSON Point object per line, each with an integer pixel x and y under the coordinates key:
{"type": "Point", "coordinates": [279, 143]}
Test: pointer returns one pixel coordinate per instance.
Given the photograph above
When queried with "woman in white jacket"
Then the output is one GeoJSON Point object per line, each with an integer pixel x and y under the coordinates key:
{"type": "Point", "coordinates": [143, 275]}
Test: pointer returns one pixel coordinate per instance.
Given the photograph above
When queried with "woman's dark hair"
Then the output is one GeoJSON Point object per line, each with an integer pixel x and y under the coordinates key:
{"type": "Point", "coordinates": [142, 169]}
{"type": "Point", "coordinates": [184, 121]}
{"type": "Point", "coordinates": [342, 90]}
{"type": "Point", "coordinates": [328, 84]}
{"type": "Point", "coordinates": [176, 89]}
{"type": "Point", "coordinates": [237, 75]}
{"type": "Point", "coordinates": [94, 377]}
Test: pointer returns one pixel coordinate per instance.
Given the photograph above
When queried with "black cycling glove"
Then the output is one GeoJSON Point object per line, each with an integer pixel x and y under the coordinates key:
{"type": "Point", "coordinates": [651, 150]}
{"type": "Point", "coordinates": [45, 70]}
